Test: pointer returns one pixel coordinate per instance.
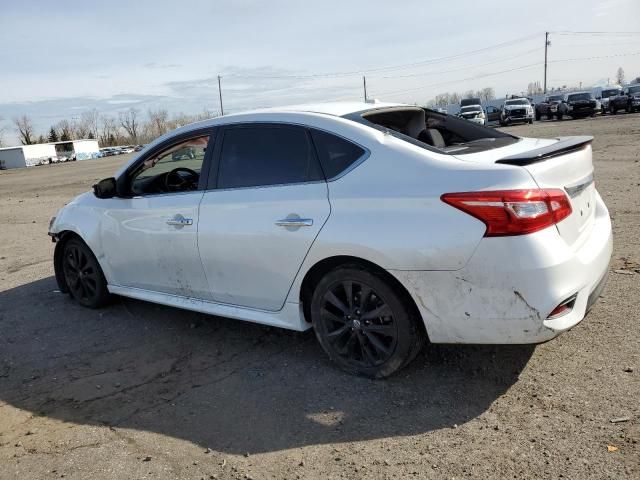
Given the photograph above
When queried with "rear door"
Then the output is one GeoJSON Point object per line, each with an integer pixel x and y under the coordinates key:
{"type": "Point", "coordinates": [266, 202]}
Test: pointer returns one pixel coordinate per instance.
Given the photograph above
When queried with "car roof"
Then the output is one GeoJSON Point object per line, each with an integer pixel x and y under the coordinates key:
{"type": "Point", "coordinates": [338, 109]}
{"type": "Point", "coordinates": [579, 93]}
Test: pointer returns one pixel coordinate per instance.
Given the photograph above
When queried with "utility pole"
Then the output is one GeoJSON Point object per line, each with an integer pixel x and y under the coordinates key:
{"type": "Point", "coordinates": [546, 46]}
{"type": "Point", "coordinates": [220, 95]}
{"type": "Point", "coordinates": [364, 83]}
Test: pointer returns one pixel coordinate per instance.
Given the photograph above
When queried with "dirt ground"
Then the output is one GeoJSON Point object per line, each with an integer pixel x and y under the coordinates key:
{"type": "Point", "coordinates": [143, 391]}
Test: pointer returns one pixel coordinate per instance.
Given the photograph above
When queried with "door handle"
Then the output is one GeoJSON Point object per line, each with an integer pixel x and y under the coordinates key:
{"type": "Point", "coordinates": [180, 221]}
{"type": "Point", "coordinates": [295, 222]}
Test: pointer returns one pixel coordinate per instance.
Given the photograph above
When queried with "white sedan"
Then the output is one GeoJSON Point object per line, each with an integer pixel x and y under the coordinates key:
{"type": "Point", "coordinates": [378, 225]}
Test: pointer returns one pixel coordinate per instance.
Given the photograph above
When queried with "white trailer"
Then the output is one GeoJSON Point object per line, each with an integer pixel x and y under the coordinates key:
{"type": "Point", "coordinates": [27, 155]}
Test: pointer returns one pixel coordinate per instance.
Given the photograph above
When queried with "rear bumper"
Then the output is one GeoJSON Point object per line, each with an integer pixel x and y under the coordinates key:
{"type": "Point", "coordinates": [511, 284]}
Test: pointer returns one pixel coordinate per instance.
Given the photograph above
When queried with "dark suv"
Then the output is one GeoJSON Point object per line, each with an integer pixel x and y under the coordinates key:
{"type": "Point", "coordinates": [629, 100]}
{"type": "Point", "coordinates": [582, 104]}
{"type": "Point", "coordinates": [606, 96]}
{"type": "Point", "coordinates": [552, 106]}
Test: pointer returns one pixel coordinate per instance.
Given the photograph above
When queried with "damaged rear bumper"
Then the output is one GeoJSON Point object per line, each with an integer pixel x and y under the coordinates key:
{"type": "Point", "coordinates": [507, 290]}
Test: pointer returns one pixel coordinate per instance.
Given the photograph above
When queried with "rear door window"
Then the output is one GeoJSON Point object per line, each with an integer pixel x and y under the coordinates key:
{"type": "Point", "coordinates": [336, 154]}
{"type": "Point", "coordinates": [263, 155]}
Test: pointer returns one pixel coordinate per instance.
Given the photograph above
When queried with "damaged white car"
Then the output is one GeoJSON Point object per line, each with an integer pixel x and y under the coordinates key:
{"type": "Point", "coordinates": [379, 226]}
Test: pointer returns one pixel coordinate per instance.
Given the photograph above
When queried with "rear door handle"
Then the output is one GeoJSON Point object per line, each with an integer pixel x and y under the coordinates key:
{"type": "Point", "coordinates": [295, 222]}
{"type": "Point", "coordinates": [180, 221]}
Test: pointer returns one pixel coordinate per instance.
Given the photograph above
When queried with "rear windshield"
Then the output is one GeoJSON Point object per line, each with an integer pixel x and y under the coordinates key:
{"type": "Point", "coordinates": [556, 98]}
{"type": "Point", "coordinates": [580, 96]}
{"type": "Point", "coordinates": [432, 130]}
{"type": "Point", "coordinates": [610, 93]}
{"type": "Point", "coordinates": [472, 108]}
{"type": "Point", "coordinates": [519, 101]}
{"type": "Point", "coordinates": [634, 89]}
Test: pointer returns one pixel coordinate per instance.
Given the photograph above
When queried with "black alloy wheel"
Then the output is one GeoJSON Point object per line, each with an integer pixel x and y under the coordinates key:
{"type": "Point", "coordinates": [83, 275]}
{"type": "Point", "coordinates": [363, 324]}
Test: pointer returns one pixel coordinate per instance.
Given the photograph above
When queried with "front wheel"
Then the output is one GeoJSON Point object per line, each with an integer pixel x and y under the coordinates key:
{"type": "Point", "coordinates": [83, 275]}
{"type": "Point", "coordinates": [363, 323]}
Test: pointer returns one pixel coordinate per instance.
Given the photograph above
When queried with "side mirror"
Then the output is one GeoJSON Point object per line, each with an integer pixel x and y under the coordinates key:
{"type": "Point", "coordinates": [105, 188]}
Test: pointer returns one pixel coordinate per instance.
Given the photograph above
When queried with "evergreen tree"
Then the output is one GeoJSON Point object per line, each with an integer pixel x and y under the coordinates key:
{"type": "Point", "coordinates": [65, 137]}
{"type": "Point", "coordinates": [53, 135]}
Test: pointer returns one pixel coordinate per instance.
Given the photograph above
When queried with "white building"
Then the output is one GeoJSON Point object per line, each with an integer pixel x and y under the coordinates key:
{"type": "Point", "coordinates": [43, 153]}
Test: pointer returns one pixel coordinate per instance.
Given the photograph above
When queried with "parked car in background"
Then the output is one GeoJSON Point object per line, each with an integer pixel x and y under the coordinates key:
{"type": "Point", "coordinates": [606, 95]}
{"type": "Point", "coordinates": [127, 149]}
{"type": "Point", "coordinates": [516, 110]}
{"type": "Point", "coordinates": [551, 107]}
{"type": "Point", "coordinates": [138, 148]}
{"type": "Point", "coordinates": [582, 104]}
{"type": "Point", "coordinates": [473, 113]}
{"type": "Point", "coordinates": [477, 236]}
{"type": "Point", "coordinates": [628, 99]}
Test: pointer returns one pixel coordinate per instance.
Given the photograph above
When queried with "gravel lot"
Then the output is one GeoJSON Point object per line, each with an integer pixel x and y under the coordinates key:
{"type": "Point", "coordinates": [143, 391]}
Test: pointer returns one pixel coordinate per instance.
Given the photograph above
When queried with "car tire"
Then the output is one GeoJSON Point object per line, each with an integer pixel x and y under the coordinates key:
{"type": "Point", "coordinates": [83, 276]}
{"type": "Point", "coordinates": [363, 323]}
{"type": "Point", "coordinates": [559, 117]}
{"type": "Point", "coordinates": [538, 116]}
{"type": "Point", "coordinates": [531, 121]}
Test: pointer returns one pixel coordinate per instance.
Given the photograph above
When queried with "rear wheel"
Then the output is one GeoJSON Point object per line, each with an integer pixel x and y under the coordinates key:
{"type": "Point", "coordinates": [363, 323]}
{"type": "Point", "coordinates": [538, 116]}
{"type": "Point", "coordinates": [83, 275]}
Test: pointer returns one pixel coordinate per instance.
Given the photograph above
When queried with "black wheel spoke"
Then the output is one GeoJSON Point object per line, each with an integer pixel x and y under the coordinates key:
{"type": "Point", "coordinates": [348, 290]}
{"type": "Point", "coordinates": [326, 314]}
{"type": "Point", "coordinates": [388, 330]}
{"type": "Point", "coordinates": [336, 334]}
{"type": "Point", "coordinates": [347, 347]}
{"type": "Point", "coordinates": [336, 302]}
{"type": "Point", "coordinates": [381, 311]}
{"type": "Point", "coordinates": [365, 293]}
{"type": "Point", "coordinates": [371, 358]}
{"type": "Point", "coordinates": [376, 343]}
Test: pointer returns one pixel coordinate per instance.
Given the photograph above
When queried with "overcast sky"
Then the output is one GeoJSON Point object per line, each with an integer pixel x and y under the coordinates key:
{"type": "Point", "coordinates": [61, 57]}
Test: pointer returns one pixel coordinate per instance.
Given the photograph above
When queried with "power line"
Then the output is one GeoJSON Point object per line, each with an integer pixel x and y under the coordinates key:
{"type": "Point", "coordinates": [393, 67]}
{"type": "Point", "coordinates": [523, 67]}
{"type": "Point", "coordinates": [595, 58]}
{"type": "Point", "coordinates": [466, 67]}
{"type": "Point", "coordinates": [567, 32]}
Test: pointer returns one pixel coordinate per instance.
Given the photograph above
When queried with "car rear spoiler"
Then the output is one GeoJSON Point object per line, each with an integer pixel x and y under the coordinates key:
{"type": "Point", "coordinates": [562, 146]}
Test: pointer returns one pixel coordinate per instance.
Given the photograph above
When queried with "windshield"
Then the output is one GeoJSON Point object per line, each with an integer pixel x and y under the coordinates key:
{"type": "Point", "coordinates": [556, 98]}
{"type": "Point", "coordinates": [580, 96]}
{"type": "Point", "coordinates": [610, 93]}
{"type": "Point", "coordinates": [634, 89]}
{"type": "Point", "coordinates": [472, 108]}
{"type": "Point", "coordinates": [520, 101]}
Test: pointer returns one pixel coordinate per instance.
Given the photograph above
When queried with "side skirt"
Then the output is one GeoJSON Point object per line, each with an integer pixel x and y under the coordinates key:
{"type": "Point", "coordinates": [290, 317]}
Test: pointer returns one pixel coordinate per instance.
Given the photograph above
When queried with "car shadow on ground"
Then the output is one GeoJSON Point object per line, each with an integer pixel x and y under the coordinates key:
{"type": "Point", "coordinates": [231, 386]}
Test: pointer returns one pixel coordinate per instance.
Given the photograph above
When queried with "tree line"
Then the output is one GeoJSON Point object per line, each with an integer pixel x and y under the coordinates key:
{"type": "Point", "coordinates": [443, 99]}
{"type": "Point", "coordinates": [129, 127]}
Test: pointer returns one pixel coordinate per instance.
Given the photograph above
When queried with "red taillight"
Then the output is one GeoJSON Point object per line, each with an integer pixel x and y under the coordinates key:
{"type": "Point", "coordinates": [513, 212]}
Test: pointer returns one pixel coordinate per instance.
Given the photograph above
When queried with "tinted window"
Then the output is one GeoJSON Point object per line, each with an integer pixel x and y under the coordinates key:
{"type": "Point", "coordinates": [265, 155]}
{"type": "Point", "coordinates": [336, 154]}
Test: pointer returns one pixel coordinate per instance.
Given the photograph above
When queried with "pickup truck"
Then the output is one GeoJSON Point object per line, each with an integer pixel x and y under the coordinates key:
{"type": "Point", "coordinates": [552, 106]}
{"type": "Point", "coordinates": [606, 95]}
{"type": "Point", "coordinates": [628, 99]}
{"type": "Point", "coordinates": [582, 104]}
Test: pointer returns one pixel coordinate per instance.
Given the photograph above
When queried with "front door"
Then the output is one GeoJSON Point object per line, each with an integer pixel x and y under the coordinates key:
{"type": "Point", "coordinates": [266, 203]}
{"type": "Point", "coordinates": [150, 239]}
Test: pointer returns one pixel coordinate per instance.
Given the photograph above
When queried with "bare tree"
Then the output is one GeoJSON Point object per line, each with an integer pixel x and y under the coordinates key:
{"type": "Point", "coordinates": [469, 94]}
{"type": "Point", "coordinates": [109, 133]}
{"type": "Point", "coordinates": [455, 98]}
{"type": "Point", "coordinates": [3, 129]}
{"type": "Point", "coordinates": [487, 94]}
{"type": "Point", "coordinates": [91, 119]}
{"type": "Point", "coordinates": [534, 88]}
{"type": "Point", "coordinates": [620, 76]}
{"type": "Point", "coordinates": [158, 122]}
{"type": "Point", "coordinates": [66, 129]}
{"type": "Point", "coordinates": [24, 127]}
{"type": "Point", "coordinates": [129, 121]}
